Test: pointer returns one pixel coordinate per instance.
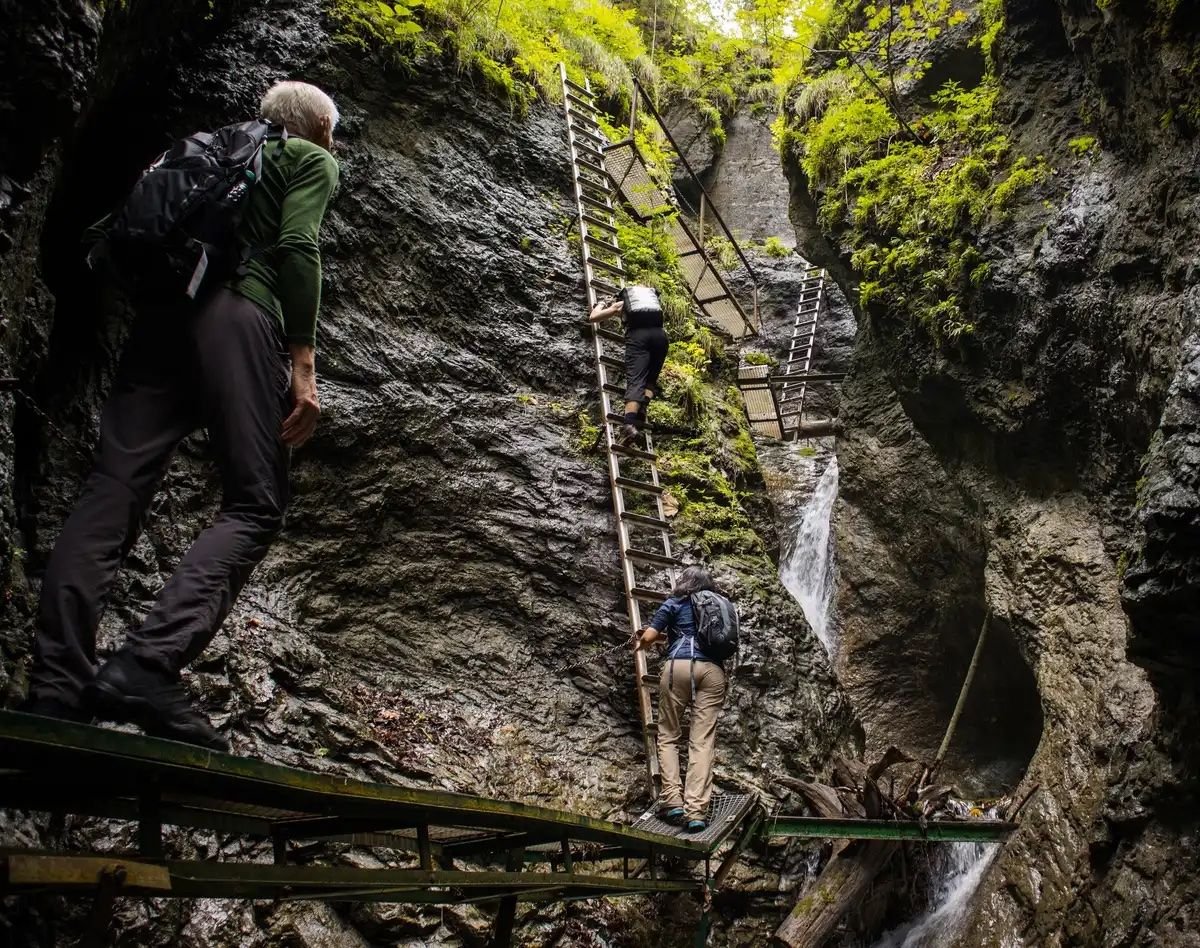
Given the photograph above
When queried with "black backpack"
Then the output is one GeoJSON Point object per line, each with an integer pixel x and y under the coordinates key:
{"type": "Point", "coordinates": [176, 232]}
{"type": "Point", "coordinates": [716, 624]}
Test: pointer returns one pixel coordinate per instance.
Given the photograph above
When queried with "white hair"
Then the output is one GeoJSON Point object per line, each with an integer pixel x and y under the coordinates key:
{"type": "Point", "coordinates": [298, 106]}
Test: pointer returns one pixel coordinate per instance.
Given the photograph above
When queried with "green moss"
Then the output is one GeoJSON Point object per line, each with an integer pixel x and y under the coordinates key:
{"type": "Point", "coordinates": [1082, 145]}
{"type": "Point", "coordinates": [909, 199]}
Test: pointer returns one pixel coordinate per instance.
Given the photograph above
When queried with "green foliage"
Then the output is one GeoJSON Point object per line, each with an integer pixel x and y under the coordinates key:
{"type": "Point", "coordinates": [774, 247]}
{"type": "Point", "coordinates": [515, 46]}
{"type": "Point", "coordinates": [908, 192]}
{"type": "Point", "coordinates": [757, 358]}
{"type": "Point", "coordinates": [1082, 145]}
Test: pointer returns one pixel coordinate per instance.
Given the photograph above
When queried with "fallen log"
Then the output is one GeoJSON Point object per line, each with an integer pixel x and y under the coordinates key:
{"type": "Point", "coordinates": [841, 887]}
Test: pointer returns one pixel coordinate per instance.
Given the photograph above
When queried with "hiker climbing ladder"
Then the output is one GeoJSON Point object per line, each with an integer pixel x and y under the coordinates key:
{"type": "Point", "coordinates": [643, 533]}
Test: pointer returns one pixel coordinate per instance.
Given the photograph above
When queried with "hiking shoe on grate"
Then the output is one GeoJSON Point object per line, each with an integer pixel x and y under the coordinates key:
{"type": "Point", "coordinates": [130, 689]}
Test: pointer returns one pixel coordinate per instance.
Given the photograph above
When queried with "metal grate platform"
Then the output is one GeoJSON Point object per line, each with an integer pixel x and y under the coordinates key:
{"type": "Point", "coordinates": [726, 811]}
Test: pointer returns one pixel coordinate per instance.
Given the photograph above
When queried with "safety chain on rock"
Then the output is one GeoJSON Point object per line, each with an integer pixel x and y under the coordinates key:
{"type": "Point", "coordinates": [555, 669]}
{"type": "Point", "coordinates": [49, 423]}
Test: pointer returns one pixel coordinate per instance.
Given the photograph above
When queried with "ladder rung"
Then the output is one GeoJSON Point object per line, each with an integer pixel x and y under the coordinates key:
{"type": "Point", "coordinates": [596, 222]}
{"type": "Point", "coordinates": [611, 337]}
{"type": "Point", "coordinates": [582, 103]}
{"type": "Point", "coordinates": [614, 389]}
{"type": "Point", "coordinates": [644, 487]}
{"type": "Point", "coordinates": [587, 199]}
{"type": "Point", "coordinates": [649, 679]}
{"type": "Point", "coordinates": [577, 87]}
{"type": "Point", "coordinates": [586, 148]}
{"type": "Point", "coordinates": [597, 242]}
{"type": "Point", "coordinates": [604, 286]}
{"type": "Point", "coordinates": [650, 727]}
{"type": "Point", "coordinates": [713, 299]}
{"type": "Point", "coordinates": [649, 595]}
{"type": "Point", "coordinates": [611, 363]}
{"type": "Point", "coordinates": [583, 133]}
{"type": "Point", "coordinates": [634, 454]}
{"type": "Point", "coordinates": [644, 520]}
{"type": "Point", "coordinates": [587, 122]}
{"type": "Point", "coordinates": [810, 322]}
{"type": "Point", "coordinates": [659, 559]}
{"type": "Point", "coordinates": [603, 190]}
{"type": "Point", "coordinates": [596, 262]}
{"type": "Point", "coordinates": [592, 167]}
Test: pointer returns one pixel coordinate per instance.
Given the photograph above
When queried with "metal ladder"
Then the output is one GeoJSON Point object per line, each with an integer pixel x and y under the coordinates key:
{"type": "Point", "coordinates": [643, 533]}
{"type": "Point", "coordinates": [794, 385]}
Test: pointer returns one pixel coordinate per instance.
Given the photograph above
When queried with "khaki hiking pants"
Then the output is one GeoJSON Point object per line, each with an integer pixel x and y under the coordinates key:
{"type": "Point", "coordinates": [674, 695]}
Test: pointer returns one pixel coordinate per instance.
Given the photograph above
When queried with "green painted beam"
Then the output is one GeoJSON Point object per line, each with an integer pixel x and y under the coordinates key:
{"type": "Point", "coordinates": [78, 874]}
{"type": "Point", "coordinates": [217, 782]}
{"type": "Point", "coordinates": [811, 827]}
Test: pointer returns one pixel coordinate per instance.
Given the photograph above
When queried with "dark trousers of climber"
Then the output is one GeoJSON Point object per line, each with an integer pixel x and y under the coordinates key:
{"type": "Point", "coordinates": [675, 695]}
{"type": "Point", "coordinates": [645, 353]}
{"type": "Point", "coordinates": [222, 367]}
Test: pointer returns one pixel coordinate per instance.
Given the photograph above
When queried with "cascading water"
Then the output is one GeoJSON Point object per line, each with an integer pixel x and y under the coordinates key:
{"type": "Point", "coordinates": [808, 570]}
{"type": "Point", "coordinates": [960, 868]}
{"type": "Point", "coordinates": [955, 884]}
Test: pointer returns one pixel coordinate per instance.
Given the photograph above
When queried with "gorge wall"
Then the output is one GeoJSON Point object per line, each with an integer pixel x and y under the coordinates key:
{"type": "Point", "coordinates": [450, 541]}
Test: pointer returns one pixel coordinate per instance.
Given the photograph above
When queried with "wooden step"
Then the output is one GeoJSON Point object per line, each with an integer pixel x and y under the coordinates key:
{"type": "Point", "coordinates": [586, 199]}
{"type": "Point", "coordinates": [608, 267]}
{"type": "Point", "coordinates": [611, 336]}
{"type": "Point", "coordinates": [642, 487]}
{"type": "Point", "coordinates": [592, 167]}
{"type": "Point", "coordinates": [657, 559]}
{"type": "Point", "coordinates": [611, 363]}
{"type": "Point", "coordinates": [575, 86]}
{"type": "Point", "coordinates": [618, 390]}
{"type": "Point", "coordinates": [594, 241]}
{"type": "Point", "coordinates": [596, 222]}
{"type": "Point", "coordinates": [649, 595]}
{"type": "Point", "coordinates": [634, 454]}
{"type": "Point", "coordinates": [642, 520]}
{"type": "Point", "coordinates": [604, 287]}
{"type": "Point", "coordinates": [582, 103]}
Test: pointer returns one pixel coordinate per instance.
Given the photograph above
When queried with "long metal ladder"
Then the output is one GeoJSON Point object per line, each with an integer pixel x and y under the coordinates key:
{"type": "Point", "coordinates": [643, 533]}
{"type": "Point", "coordinates": [793, 383]}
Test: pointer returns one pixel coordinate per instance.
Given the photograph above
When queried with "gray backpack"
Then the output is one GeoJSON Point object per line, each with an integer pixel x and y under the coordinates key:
{"type": "Point", "coordinates": [716, 625]}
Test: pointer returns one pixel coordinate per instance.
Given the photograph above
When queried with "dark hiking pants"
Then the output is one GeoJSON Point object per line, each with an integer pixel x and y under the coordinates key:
{"type": "Point", "coordinates": [222, 367]}
{"type": "Point", "coordinates": [645, 352]}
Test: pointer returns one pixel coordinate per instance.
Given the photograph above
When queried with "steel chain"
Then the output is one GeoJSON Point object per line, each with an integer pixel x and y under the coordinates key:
{"type": "Point", "coordinates": [49, 422]}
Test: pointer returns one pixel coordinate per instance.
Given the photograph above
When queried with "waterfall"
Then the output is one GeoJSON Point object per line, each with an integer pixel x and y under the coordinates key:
{"type": "Point", "coordinates": [954, 885]}
{"type": "Point", "coordinates": [808, 570]}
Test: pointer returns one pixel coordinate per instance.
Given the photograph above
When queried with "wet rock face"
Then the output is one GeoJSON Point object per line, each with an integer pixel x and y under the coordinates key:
{"type": "Point", "coordinates": [449, 550]}
{"type": "Point", "coordinates": [1048, 468]}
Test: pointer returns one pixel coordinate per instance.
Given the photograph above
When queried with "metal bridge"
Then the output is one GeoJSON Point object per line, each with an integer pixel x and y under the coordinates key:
{"type": "Point", "coordinates": [445, 848]}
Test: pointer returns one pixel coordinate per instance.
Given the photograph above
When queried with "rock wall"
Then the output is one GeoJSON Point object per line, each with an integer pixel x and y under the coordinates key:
{"type": "Point", "coordinates": [1046, 468]}
{"type": "Point", "coordinates": [450, 543]}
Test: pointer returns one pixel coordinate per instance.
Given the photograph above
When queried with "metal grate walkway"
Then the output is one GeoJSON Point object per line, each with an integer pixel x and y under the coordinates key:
{"type": "Point", "coordinates": [648, 200]}
{"type": "Point", "coordinates": [726, 812]}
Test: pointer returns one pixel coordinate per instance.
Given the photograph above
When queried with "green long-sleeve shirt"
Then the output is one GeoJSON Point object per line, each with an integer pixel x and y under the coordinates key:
{"type": "Point", "coordinates": [282, 220]}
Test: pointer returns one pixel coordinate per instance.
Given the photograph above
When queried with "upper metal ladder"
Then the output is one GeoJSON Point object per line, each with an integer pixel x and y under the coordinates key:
{"type": "Point", "coordinates": [643, 533]}
{"type": "Point", "coordinates": [775, 400]}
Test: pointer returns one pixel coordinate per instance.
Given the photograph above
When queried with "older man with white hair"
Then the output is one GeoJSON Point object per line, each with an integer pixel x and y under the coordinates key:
{"type": "Point", "coordinates": [240, 363]}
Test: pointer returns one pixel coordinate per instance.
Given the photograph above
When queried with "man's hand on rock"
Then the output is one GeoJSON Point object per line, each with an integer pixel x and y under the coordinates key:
{"type": "Point", "coordinates": [298, 427]}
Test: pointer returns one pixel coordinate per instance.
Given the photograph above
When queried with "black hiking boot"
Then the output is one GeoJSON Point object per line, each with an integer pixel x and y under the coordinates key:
{"type": "Point", "coordinates": [627, 435]}
{"type": "Point", "coordinates": [131, 690]}
{"type": "Point", "coordinates": [53, 708]}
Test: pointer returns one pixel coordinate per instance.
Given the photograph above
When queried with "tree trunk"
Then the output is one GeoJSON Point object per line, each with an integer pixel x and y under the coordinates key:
{"type": "Point", "coordinates": [840, 888]}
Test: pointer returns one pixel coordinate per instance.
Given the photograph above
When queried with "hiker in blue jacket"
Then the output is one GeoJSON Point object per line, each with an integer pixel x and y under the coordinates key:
{"type": "Point", "coordinates": [689, 678]}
